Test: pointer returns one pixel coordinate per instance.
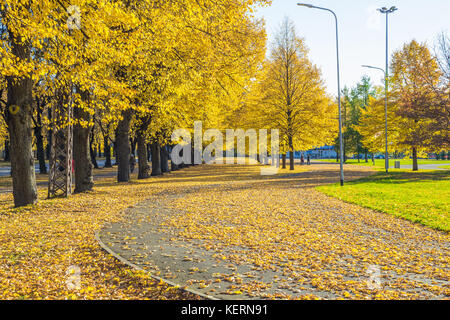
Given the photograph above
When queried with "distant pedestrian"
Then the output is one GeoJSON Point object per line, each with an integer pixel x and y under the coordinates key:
{"type": "Point", "coordinates": [309, 160]}
{"type": "Point", "coordinates": [302, 159]}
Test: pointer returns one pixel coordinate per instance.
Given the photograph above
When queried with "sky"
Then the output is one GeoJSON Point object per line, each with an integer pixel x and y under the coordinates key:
{"type": "Point", "coordinates": [362, 33]}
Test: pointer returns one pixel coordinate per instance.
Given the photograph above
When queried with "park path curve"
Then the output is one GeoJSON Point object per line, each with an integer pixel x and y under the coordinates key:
{"type": "Point", "coordinates": [230, 233]}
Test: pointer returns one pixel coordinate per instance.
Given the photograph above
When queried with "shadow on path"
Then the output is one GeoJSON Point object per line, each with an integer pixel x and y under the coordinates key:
{"type": "Point", "coordinates": [228, 232]}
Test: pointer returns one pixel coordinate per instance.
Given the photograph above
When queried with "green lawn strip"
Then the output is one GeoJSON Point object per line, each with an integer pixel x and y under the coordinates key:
{"type": "Point", "coordinates": [420, 197]}
{"type": "Point", "coordinates": [379, 163]}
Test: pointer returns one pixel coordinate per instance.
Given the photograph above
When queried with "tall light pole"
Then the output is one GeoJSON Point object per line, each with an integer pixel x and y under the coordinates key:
{"type": "Point", "coordinates": [386, 155]}
{"type": "Point", "coordinates": [341, 142]}
{"type": "Point", "coordinates": [387, 11]}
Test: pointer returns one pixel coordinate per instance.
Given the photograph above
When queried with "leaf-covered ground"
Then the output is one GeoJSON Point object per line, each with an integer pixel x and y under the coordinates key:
{"type": "Point", "coordinates": [227, 231]}
{"type": "Point", "coordinates": [275, 225]}
{"type": "Point", "coordinates": [40, 244]}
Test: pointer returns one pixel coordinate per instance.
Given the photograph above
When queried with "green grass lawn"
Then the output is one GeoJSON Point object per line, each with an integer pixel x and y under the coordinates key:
{"type": "Point", "coordinates": [379, 163]}
{"type": "Point", "coordinates": [421, 197]}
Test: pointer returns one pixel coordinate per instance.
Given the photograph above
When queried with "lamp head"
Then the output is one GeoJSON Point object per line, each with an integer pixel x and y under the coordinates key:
{"type": "Point", "coordinates": [386, 10]}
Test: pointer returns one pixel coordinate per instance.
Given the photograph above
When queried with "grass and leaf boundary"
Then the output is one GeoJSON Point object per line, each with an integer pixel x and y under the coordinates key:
{"type": "Point", "coordinates": [420, 197]}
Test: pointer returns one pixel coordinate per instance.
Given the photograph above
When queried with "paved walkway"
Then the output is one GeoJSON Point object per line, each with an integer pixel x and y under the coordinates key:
{"type": "Point", "coordinates": [443, 166]}
{"type": "Point", "coordinates": [229, 233]}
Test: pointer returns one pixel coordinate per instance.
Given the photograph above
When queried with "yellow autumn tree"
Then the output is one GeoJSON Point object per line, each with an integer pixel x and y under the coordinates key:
{"type": "Point", "coordinates": [3, 98]}
{"type": "Point", "coordinates": [291, 97]}
{"type": "Point", "coordinates": [121, 61]}
{"type": "Point", "coordinates": [49, 42]}
{"type": "Point", "coordinates": [372, 125]}
{"type": "Point", "coordinates": [200, 74]}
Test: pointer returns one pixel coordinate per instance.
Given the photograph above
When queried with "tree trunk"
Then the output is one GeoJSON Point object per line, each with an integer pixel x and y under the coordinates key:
{"type": "Point", "coordinates": [92, 150]}
{"type": "Point", "coordinates": [165, 159]}
{"type": "Point", "coordinates": [123, 150]}
{"type": "Point", "coordinates": [291, 155]}
{"type": "Point", "coordinates": [40, 148]}
{"type": "Point", "coordinates": [19, 120]}
{"type": "Point", "coordinates": [415, 162]}
{"type": "Point", "coordinates": [173, 166]}
{"type": "Point", "coordinates": [149, 152]}
{"type": "Point", "coordinates": [7, 157]}
{"type": "Point", "coordinates": [291, 161]}
{"type": "Point", "coordinates": [133, 143]}
{"type": "Point", "coordinates": [156, 159]}
{"type": "Point", "coordinates": [283, 157]}
{"type": "Point", "coordinates": [142, 147]}
{"type": "Point", "coordinates": [366, 157]}
{"type": "Point", "coordinates": [49, 139]}
{"type": "Point", "coordinates": [84, 180]}
{"type": "Point", "coordinates": [182, 164]}
{"type": "Point", "coordinates": [192, 155]}
{"type": "Point", "coordinates": [107, 152]}
{"type": "Point", "coordinates": [144, 168]}
{"type": "Point", "coordinates": [114, 149]}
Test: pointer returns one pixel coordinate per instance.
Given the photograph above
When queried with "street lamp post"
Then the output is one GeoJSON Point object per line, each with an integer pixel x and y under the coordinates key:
{"type": "Point", "coordinates": [387, 11]}
{"type": "Point", "coordinates": [341, 142]}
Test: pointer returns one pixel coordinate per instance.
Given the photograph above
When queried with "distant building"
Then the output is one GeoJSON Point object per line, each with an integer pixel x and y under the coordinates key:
{"type": "Point", "coordinates": [325, 152]}
{"type": "Point", "coordinates": [297, 154]}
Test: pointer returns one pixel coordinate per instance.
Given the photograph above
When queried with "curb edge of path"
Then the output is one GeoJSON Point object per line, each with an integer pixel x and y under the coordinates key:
{"type": "Point", "coordinates": [132, 265]}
